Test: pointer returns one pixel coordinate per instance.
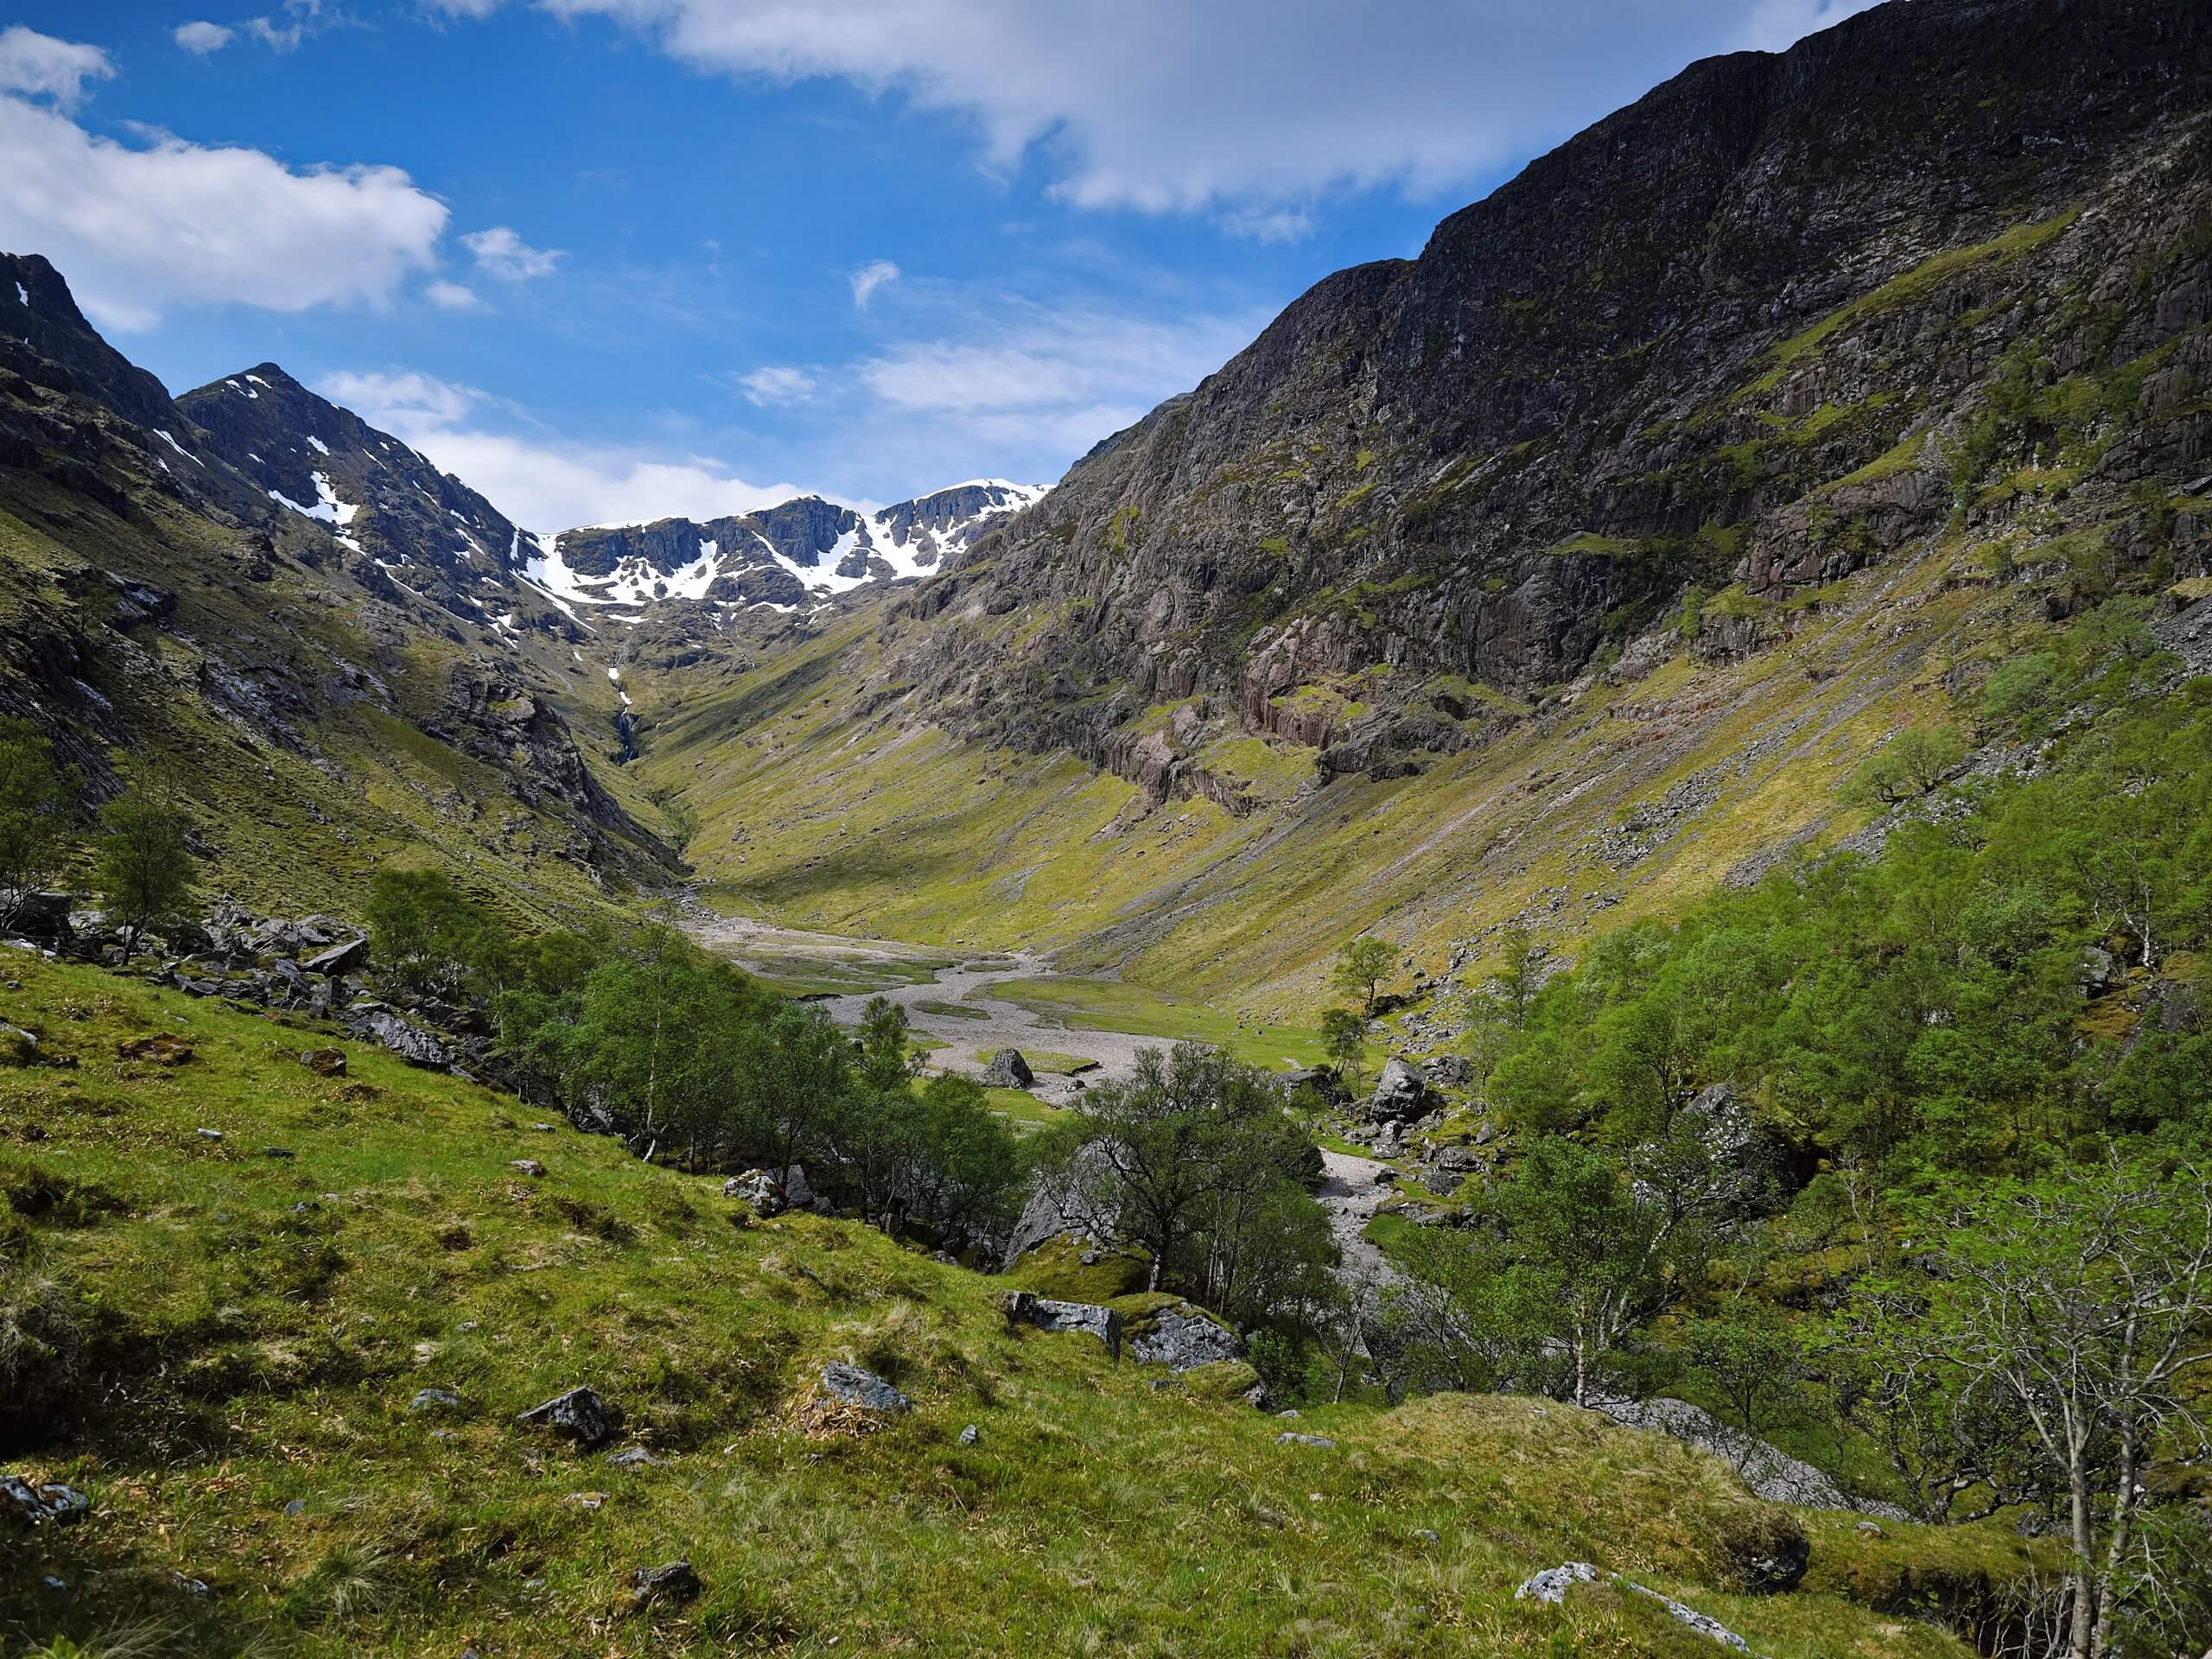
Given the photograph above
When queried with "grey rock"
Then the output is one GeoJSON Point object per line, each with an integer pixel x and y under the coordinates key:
{"type": "Point", "coordinates": [579, 1415]}
{"type": "Point", "coordinates": [529, 1167]}
{"type": "Point", "coordinates": [768, 1193]}
{"type": "Point", "coordinates": [1292, 1437]}
{"type": "Point", "coordinates": [635, 1457]}
{"type": "Point", "coordinates": [1400, 1093]}
{"type": "Point", "coordinates": [1703, 1624]}
{"type": "Point", "coordinates": [433, 1400]}
{"type": "Point", "coordinates": [209, 1134]}
{"type": "Point", "coordinates": [1551, 1584]}
{"type": "Point", "coordinates": [1770, 1472]}
{"type": "Point", "coordinates": [1183, 1338]}
{"type": "Point", "coordinates": [1007, 1070]}
{"type": "Point", "coordinates": [1046, 1314]}
{"type": "Point", "coordinates": [409, 1041]}
{"type": "Point", "coordinates": [970, 1434]}
{"type": "Point", "coordinates": [673, 1584]}
{"type": "Point", "coordinates": [196, 1588]}
{"type": "Point", "coordinates": [42, 1502]}
{"type": "Point", "coordinates": [863, 1389]}
{"type": "Point", "coordinates": [347, 959]}
{"type": "Point", "coordinates": [296, 1507]}
{"type": "Point", "coordinates": [43, 916]}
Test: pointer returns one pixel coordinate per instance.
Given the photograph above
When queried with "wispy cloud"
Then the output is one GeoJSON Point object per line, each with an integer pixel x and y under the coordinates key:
{"type": "Point", "coordinates": [452, 296]}
{"type": "Point", "coordinates": [499, 252]}
{"type": "Point", "coordinates": [876, 273]}
{"type": "Point", "coordinates": [202, 38]}
{"type": "Point", "coordinates": [1774, 25]}
{"type": "Point", "coordinates": [1161, 105]}
{"type": "Point", "coordinates": [1268, 224]}
{"type": "Point", "coordinates": [776, 384]}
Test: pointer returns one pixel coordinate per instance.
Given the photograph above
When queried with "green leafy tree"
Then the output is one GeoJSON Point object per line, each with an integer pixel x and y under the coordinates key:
{"type": "Point", "coordinates": [142, 867]}
{"type": "Point", "coordinates": [1343, 1039]}
{"type": "Point", "coordinates": [33, 814]}
{"type": "Point", "coordinates": [1194, 1161]}
{"type": "Point", "coordinates": [1362, 966]}
{"type": "Point", "coordinates": [1754, 1364]}
{"type": "Point", "coordinates": [1568, 1261]}
{"type": "Point", "coordinates": [2077, 1308]}
{"type": "Point", "coordinates": [967, 1171]}
{"type": "Point", "coordinates": [1911, 765]}
{"type": "Point", "coordinates": [429, 934]}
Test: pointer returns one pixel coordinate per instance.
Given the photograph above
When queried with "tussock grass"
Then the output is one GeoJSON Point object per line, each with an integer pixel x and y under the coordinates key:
{"type": "Point", "coordinates": [255, 1329]}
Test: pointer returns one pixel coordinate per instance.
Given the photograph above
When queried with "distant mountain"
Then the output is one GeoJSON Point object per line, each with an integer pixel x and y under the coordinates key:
{"type": "Point", "coordinates": [790, 556]}
{"type": "Point", "coordinates": [321, 640]}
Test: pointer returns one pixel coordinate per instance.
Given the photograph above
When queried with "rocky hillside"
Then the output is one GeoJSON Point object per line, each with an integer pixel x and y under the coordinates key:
{"type": "Point", "coordinates": [255, 594]}
{"type": "Point", "coordinates": [1733, 340]}
{"type": "Point", "coordinates": [1568, 566]}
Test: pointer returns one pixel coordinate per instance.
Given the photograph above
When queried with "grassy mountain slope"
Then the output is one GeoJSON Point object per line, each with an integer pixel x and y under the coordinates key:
{"type": "Point", "coordinates": [1626, 798]}
{"type": "Point", "coordinates": [254, 1328]}
{"type": "Point", "coordinates": [1548, 576]}
{"type": "Point", "coordinates": [160, 610]}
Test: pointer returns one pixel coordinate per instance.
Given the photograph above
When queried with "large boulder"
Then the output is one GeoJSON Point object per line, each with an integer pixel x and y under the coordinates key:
{"type": "Point", "coordinates": [1047, 1314]}
{"type": "Point", "coordinates": [347, 959]}
{"type": "Point", "coordinates": [1400, 1093]}
{"type": "Point", "coordinates": [1769, 1471]}
{"type": "Point", "coordinates": [402, 1037]}
{"type": "Point", "coordinates": [43, 916]}
{"type": "Point", "coordinates": [1182, 1339]}
{"type": "Point", "coordinates": [1007, 1070]}
{"type": "Point", "coordinates": [769, 1193]}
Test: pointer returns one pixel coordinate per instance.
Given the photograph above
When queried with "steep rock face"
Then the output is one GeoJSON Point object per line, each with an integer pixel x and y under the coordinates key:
{"type": "Point", "coordinates": [1732, 341]}
{"type": "Point", "coordinates": [406, 527]}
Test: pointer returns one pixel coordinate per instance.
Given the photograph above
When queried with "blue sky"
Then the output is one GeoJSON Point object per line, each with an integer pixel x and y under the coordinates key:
{"type": "Point", "coordinates": [615, 258]}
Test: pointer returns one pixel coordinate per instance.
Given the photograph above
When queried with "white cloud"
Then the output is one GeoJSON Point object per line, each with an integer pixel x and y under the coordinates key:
{"type": "Point", "coordinates": [38, 66]}
{"type": "Point", "coordinates": [501, 253]}
{"type": "Point", "coordinates": [1776, 25]}
{"type": "Point", "coordinates": [139, 230]}
{"type": "Point", "coordinates": [546, 484]}
{"type": "Point", "coordinates": [869, 277]}
{"type": "Point", "coordinates": [203, 38]}
{"type": "Point", "coordinates": [1013, 356]}
{"type": "Point", "coordinates": [302, 18]}
{"type": "Point", "coordinates": [1269, 224]}
{"type": "Point", "coordinates": [465, 7]}
{"type": "Point", "coordinates": [399, 400]}
{"type": "Point", "coordinates": [452, 296]}
{"type": "Point", "coordinates": [1169, 106]}
{"type": "Point", "coordinates": [777, 384]}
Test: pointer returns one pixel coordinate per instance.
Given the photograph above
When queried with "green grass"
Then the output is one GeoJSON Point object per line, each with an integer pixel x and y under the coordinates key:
{"type": "Point", "coordinates": [1910, 287]}
{"type": "Point", "coordinates": [258, 1325]}
{"type": "Point", "coordinates": [1116, 1005]}
{"type": "Point", "coordinates": [951, 1010]}
{"type": "Point", "coordinates": [1042, 1059]}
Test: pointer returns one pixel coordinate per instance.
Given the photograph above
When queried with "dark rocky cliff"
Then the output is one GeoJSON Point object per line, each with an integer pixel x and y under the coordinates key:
{"type": "Point", "coordinates": [1728, 345]}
